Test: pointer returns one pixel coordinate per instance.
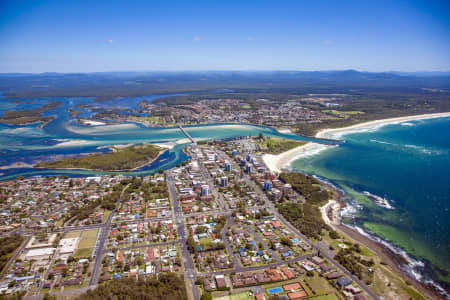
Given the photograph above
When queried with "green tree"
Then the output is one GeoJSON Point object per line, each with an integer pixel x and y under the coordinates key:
{"type": "Point", "coordinates": [206, 296]}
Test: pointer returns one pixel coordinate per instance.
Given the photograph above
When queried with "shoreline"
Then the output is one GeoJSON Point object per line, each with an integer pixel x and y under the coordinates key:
{"type": "Point", "coordinates": [330, 214]}
{"type": "Point", "coordinates": [390, 258]}
{"type": "Point", "coordinates": [124, 170]}
{"type": "Point", "coordinates": [330, 211]}
{"type": "Point", "coordinates": [328, 133]}
{"type": "Point", "coordinates": [276, 163]}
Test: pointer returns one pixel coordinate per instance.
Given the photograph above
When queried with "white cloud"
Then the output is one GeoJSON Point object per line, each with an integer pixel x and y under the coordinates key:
{"type": "Point", "coordinates": [196, 38]}
{"type": "Point", "coordinates": [109, 41]}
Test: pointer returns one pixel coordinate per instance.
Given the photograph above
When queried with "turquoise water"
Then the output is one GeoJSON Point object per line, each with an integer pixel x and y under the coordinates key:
{"type": "Point", "coordinates": [408, 164]}
{"type": "Point", "coordinates": [65, 137]}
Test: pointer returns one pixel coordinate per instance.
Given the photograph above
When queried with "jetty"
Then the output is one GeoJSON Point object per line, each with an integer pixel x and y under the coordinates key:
{"type": "Point", "coordinates": [187, 135]}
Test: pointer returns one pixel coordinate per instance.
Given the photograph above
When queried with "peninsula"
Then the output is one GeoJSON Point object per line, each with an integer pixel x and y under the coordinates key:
{"type": "Point", "coordinates": [119, 159]}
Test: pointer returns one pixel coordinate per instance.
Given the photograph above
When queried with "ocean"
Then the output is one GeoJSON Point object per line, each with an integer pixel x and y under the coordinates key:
{"type": "Point", "coordinates": [405, 166]}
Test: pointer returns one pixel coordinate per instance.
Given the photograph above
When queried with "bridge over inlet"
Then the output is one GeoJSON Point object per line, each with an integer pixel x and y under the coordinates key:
{"type": "Point", "coordinates": [187, 135]}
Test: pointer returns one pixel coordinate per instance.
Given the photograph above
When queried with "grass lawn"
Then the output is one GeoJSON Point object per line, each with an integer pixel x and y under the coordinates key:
{"type": "Point", "coordinates": [384, 275]}
{"type": "Point", "coordinates": [240, 296]}
{"type": "Point", "coordinates": [336, 244]}
{"type": "Point", "coordinates": [150, 119]}
{"type": "Point", "coordinates": [72, 234]}
{"type": "Point", "coordinates": [355, 112]}
{"type": "Point", "coordinates": [319, 284]}
{"type": "Point", "coordinates": [85, 252]}
{"type": "Point", "coordinates": [326, 297]}
{"type": "Point", "coordinates": [206, 241]}
{"type": "Point", "coordinates": [222, 298]}
{"type": "Point", "coordinates": [88, 239]}
{"type": "Point", "coordinates": [106, 215]}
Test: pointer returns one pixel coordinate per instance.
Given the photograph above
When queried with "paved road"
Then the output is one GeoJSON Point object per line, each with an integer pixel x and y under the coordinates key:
{"type": "Point", "coordinates": [259, 268]}
{"type": "Point", "coordinates": [191, 273]}
{"type": "Point", "coordinates": [146, 246]}
{"type": "Point", "coordinates": [217, 196]}
{"type": "Point", "coordinates": [258, 237]}
{"type": "Point", "coordinates": [96, 226]}
{"type": "Point", "coordinates": [100, 246]}
{"type": "Point", "coordinates": [189, 266]}
{"type": "Point", "coordinates": [22, 227]}
{"type": "Point", "coordinates": [274, 210]}
{"type": "Point", "coordinates": [47, 270]}
{"type": "Point", "coordinates": [13, 258]}
{"type": "Point", "coordinates": [236, 261]}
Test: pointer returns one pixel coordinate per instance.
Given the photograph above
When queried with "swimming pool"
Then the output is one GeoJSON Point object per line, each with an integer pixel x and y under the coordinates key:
{"type": "Point", "coordinates": [275, 290]}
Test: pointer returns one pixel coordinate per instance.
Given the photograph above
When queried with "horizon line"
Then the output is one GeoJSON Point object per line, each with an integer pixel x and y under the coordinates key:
{"type": "Point", "coordinates": [227, 70]}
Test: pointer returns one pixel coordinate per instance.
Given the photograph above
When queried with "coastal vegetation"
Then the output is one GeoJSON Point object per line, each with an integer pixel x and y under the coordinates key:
{"type": "Point", "coordinates": [164, 286]}
{"type": "Point", "coordinates": [305, 216]}
{"type": "Point", "coordinates": [307, 186]}
{"type": "Point", "coordinates": [109, 85]}
{"type": "Point", "coordinates": [278, 145]}
{"type": "Point", "coordinates": [351, 259]}
{"type": "Point", "coordinates": [348, 109]}
{"type": "Point", "coordinates": [7, 247]}
{"type": "Point", "coordinates": [119, 159]}
{"type": "Point", "coordinates": [366, 107]}
{"type": "Point", "coordinates": [29, 116]}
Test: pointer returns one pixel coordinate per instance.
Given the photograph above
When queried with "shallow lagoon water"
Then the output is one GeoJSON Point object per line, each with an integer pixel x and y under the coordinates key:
{"type": "Point", "coordinates": [65, 137]}
{"type": "Point", "coordinates": [409, 165]}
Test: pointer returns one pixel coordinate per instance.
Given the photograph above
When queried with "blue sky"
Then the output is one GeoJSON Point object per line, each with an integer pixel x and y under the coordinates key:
{"type": "Point", "coordinates": [97, 35]}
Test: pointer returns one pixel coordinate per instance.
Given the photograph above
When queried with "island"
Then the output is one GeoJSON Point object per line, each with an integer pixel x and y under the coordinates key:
{"type": "Point", "coordinates": [119, 159]}
{"type": "Point", "coordinates": [30, 116]}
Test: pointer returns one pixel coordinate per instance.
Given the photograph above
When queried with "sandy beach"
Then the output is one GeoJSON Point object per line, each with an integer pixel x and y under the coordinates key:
{"type": "Point", "coordinates": [168, 145]}
{"type": "Point", "coordinates": [103, 129]}
{"type": "Point", "coordinates": [284, 130]}
{"type": "Point", "coordinates": [277, 162]}
{"type": "Point", "coordinates": [184, 141]}
{"type": "Point", "coordinates": [74, 143]}
{"type": "Point", "coordinates": [330, 211]}
{"type": "Point", "coordinates": [91, 122]}
{"type": "Point", "coordinates": [338, 132]}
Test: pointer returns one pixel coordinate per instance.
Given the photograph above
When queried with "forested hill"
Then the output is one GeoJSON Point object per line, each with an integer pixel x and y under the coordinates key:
{"type": "Point", "coordinates": [122, 84]}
